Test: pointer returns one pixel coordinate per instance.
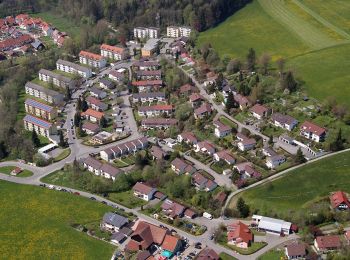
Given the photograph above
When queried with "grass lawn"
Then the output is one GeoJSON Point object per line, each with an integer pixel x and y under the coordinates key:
{"type": "Point", "coordinates": [8, 169]}
{"type": "Point", "coordinates": [224, 256]}
{"type": "Point", "coordinates": [62, 23]}
{"type": "Point", "coordinates": [294, 191]}
{"type": "Point", "coordinates": [60, 178]}
{"type": "Point", "coordinates": [64, 154]}
{"type": "Point", "coordinates": [20, 105]}
{"type": "Point", "coordinates": [255, 246]}
{"type": "Point", "coordinates": [38, 224]}
{"type": "Point", "coordinates": [126, 199]}
{"type": "Point", "coordinates": [227, 121]}
{"type": "Point", "coordinates": [272, 255]}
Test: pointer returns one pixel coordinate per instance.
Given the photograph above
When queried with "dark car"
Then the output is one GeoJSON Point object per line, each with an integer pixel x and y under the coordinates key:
{"type": "Point", "coordinates": [197, 247]}
{"type": "Point", "coordinates": [64, 190]}
{"type": "Point", "coordinates": [42, 185]}
{"type": "Point", "coordinates": [76, 193]}
{"type": "Point", "coordinates": [92, 198]}
{"type": "Point", "coordinates": [192, 254]}
{"type": "Point", "coordinates": [103, 202]}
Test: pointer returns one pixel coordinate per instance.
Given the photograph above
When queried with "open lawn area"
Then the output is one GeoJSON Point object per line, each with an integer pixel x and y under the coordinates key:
{"type": "Point", "coordinates": [126, 199]}
{"type": "Point", "coordinates": [298, 188]}
{"type": "Point", "coordinates": [8, 169]}
{"type": "Point", "coordinates": [38, 224]}
{"type": "Point", "coordinates": [64, 154]}
{"type": "Point", "coordinates": [224, 256]}
{"type": "Point", "coordinates": [272, 255]}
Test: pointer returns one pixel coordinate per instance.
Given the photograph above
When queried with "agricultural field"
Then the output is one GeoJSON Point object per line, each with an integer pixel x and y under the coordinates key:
{"type": "Point", "coordinates": [299, 188]}
{"type": "Point", "coordinates": [44, 219]}
{"type": "Point", "coordinates": [304, 32]}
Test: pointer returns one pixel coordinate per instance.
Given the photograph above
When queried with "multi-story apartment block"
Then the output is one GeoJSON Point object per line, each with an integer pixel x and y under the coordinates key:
{"type": "Point", "coordinates": [56, 79]}
{"type": "Point", "coordinates": [72, 68]}
{"type": "Point", "coordinates": [146, 32]}
{"type": "Point", "coordinates": [114, 52]}
{"type": "Point", "coordinates": [40, 126]}
{"type": "Point", "coordinates": [48, 95]}
{"type": "Point", "coordinates": [92, 59]}
{"type": "Point", "coordinates": [178, 31]}
{"type": "Point", "coordinates": [40, 109]}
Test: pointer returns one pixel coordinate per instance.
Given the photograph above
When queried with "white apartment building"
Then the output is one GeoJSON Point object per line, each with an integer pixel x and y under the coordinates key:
{"type": "Point", "coordinates": [113, 52]}
{"type": "Point", "coordinates": [92, 59]}
{"type": "Point", "coordinates": [72, 68]}
{"type": "Point", "coordinates": [178, 31]}
{"type": "Point", "coordinates": [146, 32]}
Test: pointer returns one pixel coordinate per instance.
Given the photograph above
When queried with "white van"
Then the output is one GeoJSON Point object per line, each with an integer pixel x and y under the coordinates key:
{"type": "Point", "coordinates": [207, 215]}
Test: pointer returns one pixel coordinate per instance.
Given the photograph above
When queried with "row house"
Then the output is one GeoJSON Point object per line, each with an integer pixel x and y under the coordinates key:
{"type": "Point", "coordinates": [205, 147]}
{"type": "Point", "coordinates": [56, 79]}
{"type": "Point", "coordinates": [48, 95]}
{"type": "Point", "coordinates": [260, 111]}
{"type": "Point", "coordinates": [312, 131]}
{"type": "Point", "coordinates": [116, 76]}
{"type": "Point", "coordinates": [148, 85]}
{"type": "Point", "coordinates": [40, 126]}
{"type": "Point", "coordinates": [203, 183]}
{"type": "Point", "coordinates": [221, 130]}
{"type": "Point", "coordinates": [98, 93]}
{"type": "Point", "coordinates": [98, 168]}
{"type": "Point", "coordinates": [203, 111]}
{"type": "Point", "coordinates": [188, 138]}
{"type": "Point", "coordinates": [225, 156]}
{"type": "Point", "coordinates": [180, 167]}
{"type": "Point", "coordinates": [178, 31]}
{"type": "Point", "coordinates": [93, 115]}
{"type": "Point", "coordinates": [146, 32]}
{"type": "Point", "coordinates": [114, 52]}
{"type": "Point", "coordinates": [247, 170]}
{"type": "Point", "coordinates": [146, 65]}
{"type": "Point", "coordinates": [156, 110]}
{"type": "Point", "coordinates": [124, 149]}
{"type": "Point", "coordinates": [149, 97]}
{"type": "Point", "coordinates": [144, 191]}
{"type": "Point", "coordinates": [245, 143]}
{"type": "Point", "coordinates": [284, 121]}
{"type": "Point", "coordinates": [96, 104]}
{"type": "Point", "coordinates": [148, 74]}
{"type": "Point", "coordinates": [73, 68]}
{"type": "Point", "coordinates": [12, 43]}
{"type": "Point", "coordinates": [158, 123]}
{"type": "Point", "coordinates": [92, 59]}
{"type": "Point", "coordinates": [39, 109]}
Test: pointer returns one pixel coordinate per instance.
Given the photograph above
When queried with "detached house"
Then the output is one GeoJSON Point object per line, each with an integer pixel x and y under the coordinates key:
{"type": "Point", "coordinates": [157, 153]}
{"type": "Point", "coordinates": [92, 115]}
{"type": "Point", "coordinates": [324, 244]}
{"type": "Point", "coordinates": [247, 170]}
{"type": "Point", "coordinates": [225, 156]}
{"type": "Point", "coordinates": [181, 167]}
{"type": "Point", "coordinates": [92, 59]}
{"type": "Point", "coordinates": [242, 101]}
{"type": "Point", "coordinates": [96, 104]}
{"type": "Point", "coordinates": [203, 183]}
{"type": "Point", "coordinates": [143, 191]}
{"type": "Point", "coordinates": [107, 84]}
{"type": "Point", "coordinates": [245, 143]}
{"type": "Point", "coordinates": [116, 75]}
{"type": "Point", "coordinates": [274, 161]}
{"type": "Point", "coordinates": [260, 111]}
{"type": "Point", "coordinates": [113, 222]}
{"type": "Point", "coordinates": [196, 99]}
{"type": "Point", "coordinates": [172, 209]}
{"type": "Point", "coordinates": [205, 147]}
{"type": "Point", "coordinates": [284, 121]}
{"type": "Point", "coordinates": [90, 128]}
{"type": "Point", "coordinates": [221, 130]}
{"type": "Point", "coordinates": [295, 251]}
{"type": "Point", "coordinates": [239, 234]}
{"type": "Point", "coordinates": [312, 131]}
{"type": "Point", "coordinates": [203, 111]}
{"type": "Point", "coordinates": [339, 201]}
{"type": "Point", "coordinates": [187, 137]}
{"type": "Point", "coordinates": [187, 89]}
{"type": "Point", "coordinates": [97, 93]}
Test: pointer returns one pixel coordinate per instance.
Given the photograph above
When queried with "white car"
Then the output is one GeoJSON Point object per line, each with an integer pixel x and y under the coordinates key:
{"type": "Point", "coordinates": [58, 188]}
{"type": "Point", "coordinates": [51, 187]}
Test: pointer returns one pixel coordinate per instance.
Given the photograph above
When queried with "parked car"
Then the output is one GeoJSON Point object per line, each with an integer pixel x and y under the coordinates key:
{"type": "Point", "coordinates": [42, 185]}
{"type": "Point", "coordinates": [92, 198]}
{"type": "Point", "coordinates": [103, 202]}
{"type": "Point", "coordinates": [76, 193]}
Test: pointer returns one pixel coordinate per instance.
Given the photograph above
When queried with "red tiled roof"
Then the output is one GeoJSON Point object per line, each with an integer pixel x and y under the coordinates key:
{"type": "Point", "coordinates": [147, 83]}
{"type": "Point", "coordinates": [114, 49]}
{"type": "Point", "coordinates": [158, 107]}
{"type": "Point", "coordinates": [239, 232]}
{"type": "Point", "coordinates": [325, 242]}
{"type": "Point", "coordinates": [15, 42]}
{"type": "Point", "coordinates": [90, 55]}
{"type": "Point", "coordinates": [204, 108]}
{"type": "Point", "coordinates": [186, 88]}
{"type": "Point", "coordinates": [296, 250]}
{"type": "Point", "coordinates": [259, 109]}
{"type": "Point", "coordinates": [338, 198]}
{"type": "Point", "coordinates": [208, 254]}
{"type": "Point", "coordinates": [170, 243]}
{"type": "Point", "coordinates": [195, 96]}
{"type": "Point", "coordinates": [142, 188]}
{"type": "Point", "coordinates": [307, 126]}
{"type": "Point", "coordinates": [93, 113]}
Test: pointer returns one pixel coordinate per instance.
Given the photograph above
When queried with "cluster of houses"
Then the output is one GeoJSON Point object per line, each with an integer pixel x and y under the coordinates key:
{"type": "Point", "coordinates": [98, 168]}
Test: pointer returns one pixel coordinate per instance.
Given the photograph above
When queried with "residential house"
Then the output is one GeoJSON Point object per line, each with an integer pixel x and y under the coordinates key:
{"type": "Point", "coordinates": [239, 234]}
{"type": "Point", "coordinates": [113, 222]}
{"type": "Point", "coordinates": [143, 191]}
{"type": "Point", "coordinates": [203, 183]}
{"type": "Point", "coordinates": [339, 201]}
{"type": "Point", "coordinates": [284, 121]}
{"type": "Point", "coordinates": [247, 170]}
{"type": "Point", "coordinates": [92, 59]}
{"type": "Point", "coordinates": [107, 84]}
{"type": "Point", "coordinates": [72, 68]}
{"type": "Point", "coordinates": [172, 209]}
{"type": "Point", "coordinates": [98, 93]}
{"type": "Point", "coordinates": [178, 31]}
{"type": "Point", "coordinates": [260, 111]}
{"type": "Point", "coordinates": [225, 156]}
{"type": "Point", "coordinates": [312, 131]}
{"type": "Point", "coordinates": [187, 137]}
{"type": "Point", "coordinates": [114, 52]}
{"type": "Point", "coordinates": [39, 109]}
{"type": "Point", "coordinates": [179, 166]}
{"type": "Point", "coordinates": [242, 101]}
{"type": "Point", "coordinates": [226, 90]}
{"type": "Point", "coordinates": [92, 115]}
{"type": "Point", "coordinates": [188, 89]}
{"type": "Point", "coordinates": [155, 110]}
{"type": "Point", "coordinates": [149, 97]}
{"type": "Point", "coordinates": [124, 149]}
{"type": "Point", "coordinates": [295, 251]}
{"type": "Point", "coordinates": [158, 123]}
{"type": "Point", "coordinates": [13, 43]}
{"type": "Point", "coordinates": [203, 111]}
{"type": "Point", "coordinates": [221, 130]}
{"type": "Point", "coordinates": [207, 254]}
{"type": "Point", "coordinates": [90, 128]}
{"type": "Point", "coordinates": [92, 165]}
{"type": "Point", "coordinates": [245, 143]}
{"type": "Point", "coordinates": [171, 244]}
{"type": "Point", "coordinates": [146, 32]}
{"type": "Point", "coordinates": [196, 99]}
{"type": "Point", "coordinates": [190, 214]}
{"type": "Point", "coordinates": [148, 85]}
{"type": "Point", "coordinates": [205, 147]}
{"type": "Point", "coordinates": [146, 65]}
{"type": "Point", "coordinates": [157, 153]}
{"type": "Point", "coordinates": [40, 126]}
{"type": "Point", "coordinates": [48, 95]}
{"type": "Point", "coordinates": [101, 138]}
{"type": "Point", "coordinates": [324, 244]}
{"type": "Point", "coordinates": [96, 104]}
{"type": "Point", "coordinates": [148, 75]}
{"type": "Point", "coordinates": [109, 172]}
{"type": "Point", "coordinates": [268, 151]}
{"type": "Point", "coordinates": [116, 75]}
{"type": "Point", "coordinates": [274, 161]}
{"type": "Point", "coordinates": [56, 79]}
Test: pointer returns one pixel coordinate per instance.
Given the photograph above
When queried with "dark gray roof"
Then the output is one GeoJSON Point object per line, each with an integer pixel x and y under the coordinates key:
{"type": "Point", "coordinates": [74, 65]}
{"type": "Point", "coordinates": [115, 219]}
{"type": "Point", "coordinates": [42, 89]}
{"type": "Point", "coordinates": [118, 236]}
{"type": "Point", "coordinates": [36, 43]}
{"type": "Point", "coordinates": [55, 75]}
{"type": "Point", "coordinates": [96, 91]}
{"type": "Point", "coordinates": [149, 95]}
{"type": "Point", "coordinates": [107, 83]}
